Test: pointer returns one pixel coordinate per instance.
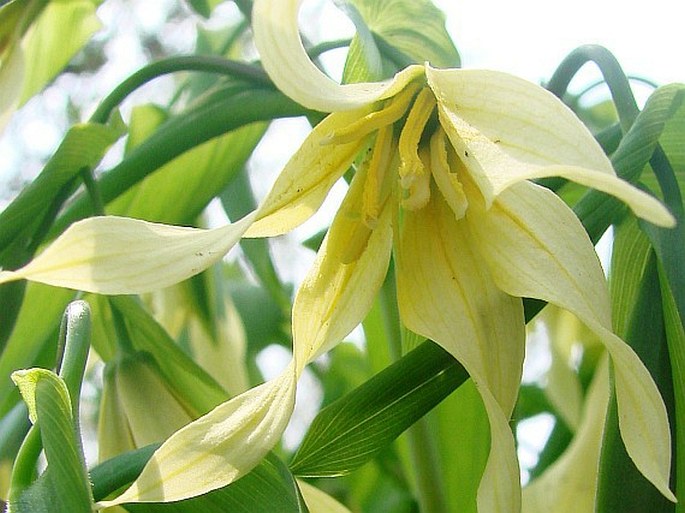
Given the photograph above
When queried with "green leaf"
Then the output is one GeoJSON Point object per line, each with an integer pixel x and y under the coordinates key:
{"type": "Point", "coordinates": [49, 405]}
{"type": "Point", "coordinates": [631, 256]}
{"type": "Point", "coordinates": [179, 191]}
{"type": "Point", "coordinates": [355, 428]}
{"type": "Point", "coordinates": [60, 31]}
{"type": "Point", "coordinates": [394, 22]}
{"type": "Point", "coordinates": [596, 209]}
{"type": "Point", "coordinates": [238, 200]}
{"type": "Point", "coordinates": [268, 488]}
{"type": "Point", "coordinates": [675, 334]}
{"type": "Point", "coordinates": [33, 340]}
{"type": "Point", "coordinates": [83, 147]}
{"type": "Point", "coordinates": [190, 382]}
{"type": "Point", "coordinates": [672, 137]}
{"type": "Point", "coordinates": [462, 423]}
{"type": "Point", "coordinates": [217, 113]}
{"type": "Point", "coordinates": [644, 332]}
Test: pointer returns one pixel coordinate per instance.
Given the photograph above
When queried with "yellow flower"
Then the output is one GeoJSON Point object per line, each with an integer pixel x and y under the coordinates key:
{"type": "Point", "coordinates": [444, 181]}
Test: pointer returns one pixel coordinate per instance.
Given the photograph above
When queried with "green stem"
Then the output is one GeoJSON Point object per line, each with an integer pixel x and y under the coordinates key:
{"type": "Point", "coordinates": [204, 63]}
{"type": "Point", "coordinates": [422, 451]}
{"type": "Point", "coordinates": [93, 191]}
{"type": "Point", "coordinates": [75, 338]}
{"type": "Point", "coordinates": [613, 74]}
{"type": "Point", "coordinates": [316, 51]}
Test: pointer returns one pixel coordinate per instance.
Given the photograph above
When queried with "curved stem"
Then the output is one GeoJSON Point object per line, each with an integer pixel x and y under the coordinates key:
{"type": "Point", "coordinates": [204, 63]}
{"type": "Point", "coordinates": [93, 190]}
{"type": "Point", "coordinates": [598, 83]}
{"type": "Point", "coordinates": [613, 74]}
{"type": "Point", "coordinates": [316, 51]}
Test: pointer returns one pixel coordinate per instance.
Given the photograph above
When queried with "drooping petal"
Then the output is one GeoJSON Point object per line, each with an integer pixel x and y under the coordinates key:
{"type": "Point", "coordinates": [219, 447]}
{"type": "Point", "coordinates": [528, 122]}
{"type": "Point", "coordinates": [304, 182]}
{"type": "Point", "coordinates": [536, 247]}
{"type": "Point", "coordinates": [335, 296]}
{"type": "Point", "coordinates": [446, 294]}
{"type": "Point", "coordinates": [284, 58]}
{"type": "Point", "coordinates": [494, 169]}
{"type": "Point", "coordinates": [569, 485]}
{"type": "Point", "coordinates": [116, 255]}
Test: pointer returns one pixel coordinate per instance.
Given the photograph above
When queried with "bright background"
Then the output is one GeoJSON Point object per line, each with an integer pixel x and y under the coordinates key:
{"type": "Point", "coordinates": [528, 38]}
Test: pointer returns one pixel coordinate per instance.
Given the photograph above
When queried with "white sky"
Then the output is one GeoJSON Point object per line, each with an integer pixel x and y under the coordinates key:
{"type": "Point", "coordinates": [530, 37]}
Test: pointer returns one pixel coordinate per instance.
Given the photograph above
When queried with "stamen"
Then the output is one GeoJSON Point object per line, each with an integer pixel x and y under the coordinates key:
{"type": "Point", "coordinates": [418, 191]}
{"type": "Point", "coordinates": [411, 166]}
{"type": "Point", "coordinates": [377, 184]}
{"type": "Point", "coordinates": [391, 112]}
{"type": "Point", "coordinates": [445, 175]}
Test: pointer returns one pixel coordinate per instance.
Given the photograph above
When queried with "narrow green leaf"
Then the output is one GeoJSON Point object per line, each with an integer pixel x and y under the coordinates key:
{"type": "Point", "coordinates": [60, 31]}
{"type": "Point", "coordinates": [32, 342]}
{"type": "Point", "coordinates": [215, 114]}
{"type": "Point", "coordinates": [672, 138]}
{"type": "Point", "coordinates": [597, 210]}
{"type": "Point", "coordinates": [49, 405]}
{"type": "Point", "coordinates": [179, 191]}
{"type": "Point", "coordinates": [675, 334]}
{"type": "Point", "coordinates": [621, 487]}
{"type": "Point", "coordinates": [238, 200]}
{"type": "Point", "coordinates": [190, 382]}
{"type": "Point", "coordinates": [355, 428]}
{"type": "Point", "coordinates": [268, 488]}
{"type": "Point", "coordinates": [83, 147]}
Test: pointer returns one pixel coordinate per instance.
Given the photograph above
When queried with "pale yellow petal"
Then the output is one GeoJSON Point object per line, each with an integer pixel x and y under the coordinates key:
{"type": "Point", "coordinates": [284, 58]}
{"type": "Point", "coordinates": [335, 296]}
{"type": "Point", "coordinates": [218, 448]}
{"type": "Point", "coordinates": [302, 186]}
{"type": "Point", "coordinates": [569, 485]}
{"type": "Point", "coordinates": [446, 294]}
{"type": "Point", "coordinates": [114, 435]}
{"type": "Point", "coordinates": [318, 501]}
{"type": "Point", "coordinates": [494, 168]}
{"type": "Point", "coordinates": [536, 247]}
{"type": "Point", "coordinates": [142, 390]}
{"type": "Point", "coordinates": [116, 255]}
{"type": "Point", "coordinates": [527, 122]}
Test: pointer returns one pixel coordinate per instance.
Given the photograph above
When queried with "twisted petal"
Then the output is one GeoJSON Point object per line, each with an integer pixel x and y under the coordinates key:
{"type": "Point", "coordinates": [285, 60]}
{"type": "Point", "coordinates": [335, 296]}
{"type": "Point", "coordinates": [117, 255]}
{"type": "Point", "coordinates": [218, 448]}
{"type": "Point", "coordinates": [536, 247]}
{"type": "Point", "coordinates": [446, 294]}
{"type": "Point", "coordinates": [303, 184]}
